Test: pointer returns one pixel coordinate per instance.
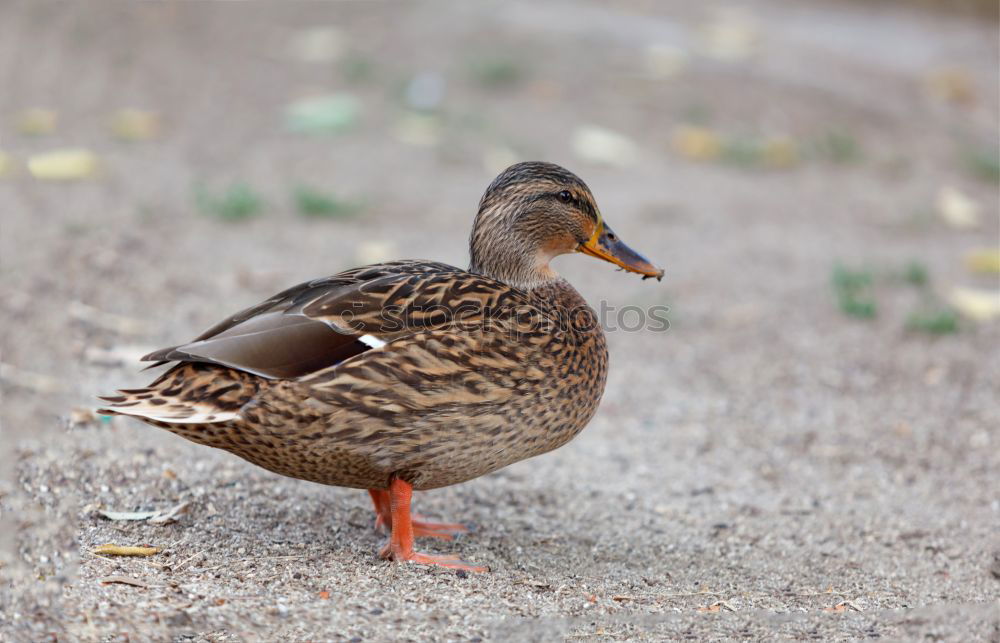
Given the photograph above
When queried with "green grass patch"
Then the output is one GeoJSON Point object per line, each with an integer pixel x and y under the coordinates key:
{"type": "Point", "coordinates": [238, 202]}
{"type": "Point", "coordinates": [853, 289]}
{"type": "Point", "coordinates": [496, 72]}
{"type": "Point", "coordinates": [697, 114]}
{"type": "Point", "coordinates": [851, 280]}
{"type": "Point", "coordinates": [314, 203]}
{"type": "Point", "coordinates": [941, 321]}
{"type": "Point", "coordinates": [839, 147]}
{"type": "Point", "coordinates": [855, 293]}
{"type": "Point", "coordinates": [357, 68]}
{"type": "Point", "coordinates": [741, 152]}
{"type": "Point", "coordinates": [915, 274]}
{"type": "Point", "coordinates": [855, 306]}
{"type": "Point", "coordinates": [983, 163]}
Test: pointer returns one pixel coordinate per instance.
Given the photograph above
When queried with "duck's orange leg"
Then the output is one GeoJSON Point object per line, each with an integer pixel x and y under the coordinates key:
{"type": "Point", "coordinates": [400, 545]}
{"type": "Point", "coordinates": [421, 528]}
{"type": "Point", "coordinates": [383, 517]}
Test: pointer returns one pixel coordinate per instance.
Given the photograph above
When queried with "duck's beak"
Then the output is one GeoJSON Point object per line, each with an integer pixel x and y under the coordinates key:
{"type": "Point", "coordinates": [605, 244]}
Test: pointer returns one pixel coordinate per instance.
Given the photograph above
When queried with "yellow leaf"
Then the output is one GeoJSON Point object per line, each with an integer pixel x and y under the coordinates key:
{"type": "Point", "coordinates": [780, 152]}
{"type": "Point", "coordinates": [63, 165]}
{"type": "Point", "coordinates": [696, 143]}
{"type": "Point", "coordinates": [733, 34]}
{"type": "Point", "coordinates": [951, 84]}
{"type": "Point", "coordinates": [6, 163]}
{"type": "Point", "coordinates": [986, 260]}
{"type": "Point", "coordinates": [37, 121]}
{"type": "Point", "coordinates": [135, 124]}
{"type": "Point", "coordinates": [119, 550]}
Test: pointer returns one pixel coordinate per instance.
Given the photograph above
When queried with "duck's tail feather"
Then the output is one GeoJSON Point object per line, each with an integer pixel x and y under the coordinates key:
{"type": "Point", "coordinates": [189, 393]}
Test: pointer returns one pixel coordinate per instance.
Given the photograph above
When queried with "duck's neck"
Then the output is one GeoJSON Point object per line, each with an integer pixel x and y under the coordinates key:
{"type": "Point", "coordinates": [520, 268]}
{"type": "Point", "coordinates": [505, 247]}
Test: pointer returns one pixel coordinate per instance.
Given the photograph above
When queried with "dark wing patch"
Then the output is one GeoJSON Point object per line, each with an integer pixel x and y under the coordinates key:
{"type": "Point", "coordinates": [319, 324]}
{"type": "Point", "coordinates": [274, 345]}
{"type": "Point", "coordinates": [304, 293]}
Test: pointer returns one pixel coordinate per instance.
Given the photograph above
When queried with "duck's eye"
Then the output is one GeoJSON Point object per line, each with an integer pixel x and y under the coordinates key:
{"type": "Point", "coordinates": [565, 196]}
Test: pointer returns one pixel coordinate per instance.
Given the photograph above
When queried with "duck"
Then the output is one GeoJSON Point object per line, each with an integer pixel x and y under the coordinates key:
{"type": "Point", "coordinates": [409, 375]}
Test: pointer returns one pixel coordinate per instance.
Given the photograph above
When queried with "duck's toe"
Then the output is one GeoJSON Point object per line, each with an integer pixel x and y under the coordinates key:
{"type": "Point", "coordinates": [442, 560]}
{"type": "Point", "coordinates": [444, 530]}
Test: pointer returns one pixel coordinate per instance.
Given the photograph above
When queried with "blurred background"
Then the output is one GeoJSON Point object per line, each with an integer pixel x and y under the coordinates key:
{"type": "Point", "coordinates": [819, 179]}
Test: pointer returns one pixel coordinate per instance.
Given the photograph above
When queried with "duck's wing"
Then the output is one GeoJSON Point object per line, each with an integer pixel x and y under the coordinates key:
{"type": "Point", "coordinates": [324, 322]}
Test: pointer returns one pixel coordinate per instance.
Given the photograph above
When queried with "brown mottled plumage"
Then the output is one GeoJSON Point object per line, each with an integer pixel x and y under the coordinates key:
{"type": "Point", "coordinates": [409, 374]}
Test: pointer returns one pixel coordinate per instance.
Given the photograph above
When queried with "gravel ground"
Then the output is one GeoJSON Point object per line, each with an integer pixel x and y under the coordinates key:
{"type": "Point", "coordinates": [767, 468]}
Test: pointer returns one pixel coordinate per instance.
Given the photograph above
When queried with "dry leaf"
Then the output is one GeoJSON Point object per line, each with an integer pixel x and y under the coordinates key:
{"type": "Point", "coordinates": [324, 595]}
{"type": "Point", "coordinates": [64, 165]}
{"type": "Point", "coordinates": [842, 606]}
{"type": "Point", "coordinates": [986, 260]}
{"type": "Point", "coordinates": [170, 515]}
{"type": "Point", "coordinates": [732, 35]}
{"type": "Point", "coordinates": [418, 129]}
{"type": "Point", "coordinates": [717, 607]}
{"type": "Point", "coordinates": [696, 143]}
{"type": "Point", "coordinates": [162, 517]}
{"type": "Point", "coordinates": [6, 163]}
{"type": "Point", "coordinates": [604, 146]}
{"type": "Point", "coordinates": [957, 209]}
{"type": "Point", "coordinates": [125, 580]}
{"type": "Point", "coordinates": [127, 515]}
{"type": "Point", "coordinates": [780, 152]}
{"type": "Point", "coordinates": [37, 121]}
{"type": "Point", "coordinates": [664, 61]}
{"type": "Point", "coordinates": [316, 44]}
{"type": "Point", "coordinates": [119, 550]}
{"type": "Point", "coordinates": [81, 415]}
{"type": "Point", "coordinates": [952, 85]}
{"type": "Point", "coordinates": [976, 303]}
{"type": "Point", "coordinates": [135, 124]}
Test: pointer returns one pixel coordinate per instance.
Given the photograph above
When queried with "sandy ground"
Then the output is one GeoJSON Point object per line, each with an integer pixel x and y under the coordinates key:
{"type": "Point", "coordinates": [767, 468]}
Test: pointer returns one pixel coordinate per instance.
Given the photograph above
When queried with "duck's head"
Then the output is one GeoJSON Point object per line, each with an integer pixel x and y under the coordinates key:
{"type": "Point", "coordinates": [534, 212]}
